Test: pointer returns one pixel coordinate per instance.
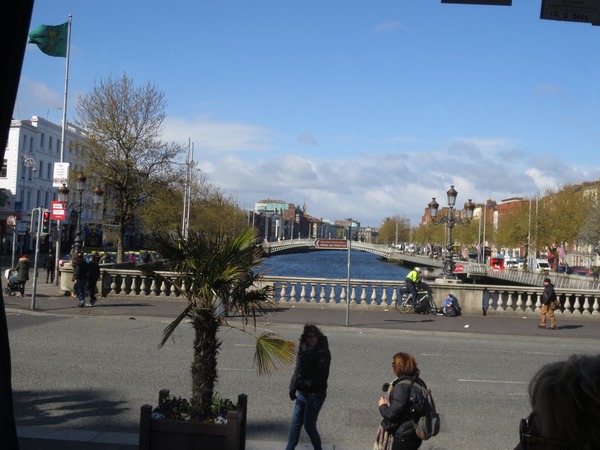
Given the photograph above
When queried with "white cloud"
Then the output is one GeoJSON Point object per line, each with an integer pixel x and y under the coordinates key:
{"type": "Point", "coordinates": [218, 136]}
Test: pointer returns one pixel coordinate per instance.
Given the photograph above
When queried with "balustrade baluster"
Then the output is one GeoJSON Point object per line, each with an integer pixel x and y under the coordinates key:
{"type": "Point", "coordinates": [363, 295]}
{"type": "Point", "coordinates": [509, 302]}
{"type": "Point", "coordinates": [383, 295]}
{"type": "Point", "coordinates": [282, 293]}
{"type": "Point", "coordinates": [353, 295]}
{"type": "Point", "coordinates": [576, 307]}
{"type": "Point", "coordinates": [154, 288]}
{"type": "Point", "coordinates": [529, 306]}
{"type": "Point", "coordinates": [113, 284]}
{"type": "Point", "coordinates": [302, 292]}
{"type": "Point", "coordinates": [332, 298]}
{"type": "Point", "coordinates": [586, 305]}
{"type": "Point", "coordinates": [596, 310]}
{"type": "Point", "coordinates": [143, 286]}
{"type": "Point", "coordinates": [293, 293]}
{"type": "Point", "coordinates": [123, 289]}
{"type": "Point", "coordinates": [394, 296]}
{"type": "Point", "coordinates": [343, 295]}
{"type": "Point", "coordinates": [133, 290]}
{"type": "Point", "coordinates": [313, 293]}
{"type": "Point", "coordinates": [520, 302]}
{"type": "Point", "coordinates": [322, 297]}
{"type": "Point", "coordinates": [374, 295]}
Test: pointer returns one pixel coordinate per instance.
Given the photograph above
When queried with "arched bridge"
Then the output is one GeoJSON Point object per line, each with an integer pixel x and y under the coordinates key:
{"type": "Point", "coordinates": [300, 245]}
{"type": "Point", "coordinates": [434, 265]}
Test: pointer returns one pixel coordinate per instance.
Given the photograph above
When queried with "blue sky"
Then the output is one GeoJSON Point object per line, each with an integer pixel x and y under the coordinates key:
{"type": "Point", "coordinates": [356, 109]}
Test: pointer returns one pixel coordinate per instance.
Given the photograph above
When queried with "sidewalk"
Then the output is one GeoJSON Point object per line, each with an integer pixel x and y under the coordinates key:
{"type": "Point", "coordinates": [50, 301]}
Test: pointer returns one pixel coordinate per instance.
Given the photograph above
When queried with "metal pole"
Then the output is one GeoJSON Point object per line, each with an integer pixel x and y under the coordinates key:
{"type": "Point", "coordinates": [348, 281]}
{"type": "Point", "coordinates": [35, 260]}
{"type": "Point", "coordinates": [78, 240]}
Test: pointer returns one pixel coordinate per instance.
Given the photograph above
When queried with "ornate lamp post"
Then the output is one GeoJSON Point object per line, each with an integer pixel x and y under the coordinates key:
{"type": "Point", "coordinates": [450, 220]}
{"type": "Point", "coordinates": [80, 183]}
{"type": "Point", "coordinates": [79, 187]}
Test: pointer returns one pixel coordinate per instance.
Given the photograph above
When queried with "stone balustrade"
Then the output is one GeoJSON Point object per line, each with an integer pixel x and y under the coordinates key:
{"type": "Point", "coordinates": [373, 294]}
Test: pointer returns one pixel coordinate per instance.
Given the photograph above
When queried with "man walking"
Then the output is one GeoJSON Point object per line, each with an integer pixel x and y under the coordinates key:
{"type": "Point", "coordinates": [548, 298]}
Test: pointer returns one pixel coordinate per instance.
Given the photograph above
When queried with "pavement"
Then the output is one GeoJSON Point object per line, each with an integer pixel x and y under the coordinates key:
{"type": "Point", "coordinates": [50, 300]}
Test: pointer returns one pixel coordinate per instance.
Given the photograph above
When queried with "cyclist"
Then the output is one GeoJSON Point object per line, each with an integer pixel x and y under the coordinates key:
{"type": "Point", "coordinates": [413, 280]}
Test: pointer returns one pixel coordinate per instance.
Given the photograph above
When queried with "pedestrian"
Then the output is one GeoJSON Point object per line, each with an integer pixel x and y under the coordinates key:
{"type": "Point", "coordinates": [308, 386]}
{"type": "Point", "coordinates": [93, 276]}
{"type": "Point", "coordinates": [49, 265]}
{"type": "Point", "coordinates": [565, 406]}
{"type": "Point", "coordinates": [548, 304]}
{"type": "Point", "coordinates": [395, 408]}
{"type": "Point", "coordinates": [22, 269]}
{"type": "Point", "coordinates": [80, 278]}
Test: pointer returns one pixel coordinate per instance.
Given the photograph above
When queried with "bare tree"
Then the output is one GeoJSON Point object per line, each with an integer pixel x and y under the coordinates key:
{"type": "Point", "coordinates": [124, 151]}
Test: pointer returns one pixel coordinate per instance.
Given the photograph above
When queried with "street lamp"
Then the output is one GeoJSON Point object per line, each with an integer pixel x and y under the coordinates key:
{"type": "Point", "coordinates": [80, 183]}
{"type": "Point", "coordinates": [450, 220]}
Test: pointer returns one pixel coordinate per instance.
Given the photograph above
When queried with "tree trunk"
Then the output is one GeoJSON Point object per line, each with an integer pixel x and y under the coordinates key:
{"type": "Point", "coordinates": [204, 367]}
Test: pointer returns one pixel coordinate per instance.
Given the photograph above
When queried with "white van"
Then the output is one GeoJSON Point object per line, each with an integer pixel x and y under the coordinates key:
{"type": "Point", "coordinates": [541, 266]}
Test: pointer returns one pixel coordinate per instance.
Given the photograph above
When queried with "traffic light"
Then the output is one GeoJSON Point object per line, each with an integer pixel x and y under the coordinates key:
{"type": "Point", "coordinates": [46, 222]}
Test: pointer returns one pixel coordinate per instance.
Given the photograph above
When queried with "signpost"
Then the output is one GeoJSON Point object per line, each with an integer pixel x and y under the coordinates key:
{"type": "Point", "coordinates": [58, 210]}
{"type": "Point", "coordinates": [587, 11]}
{"type": "Point", "coordinates": [331, 243]}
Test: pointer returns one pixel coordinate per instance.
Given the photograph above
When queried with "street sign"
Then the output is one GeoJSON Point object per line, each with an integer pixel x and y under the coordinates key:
{"type": "Point", "coordinates": [571, 11]}
{"type": "Point", "coordinates": [58, 210]}
{"type": "Point", "coordinates": [61, 175]}
{"type": "Point", "coordinates": [331, 243]}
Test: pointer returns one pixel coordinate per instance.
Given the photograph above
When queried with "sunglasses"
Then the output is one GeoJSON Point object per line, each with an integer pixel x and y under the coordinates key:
{"type": "Point", "coordinates": [529, 440]}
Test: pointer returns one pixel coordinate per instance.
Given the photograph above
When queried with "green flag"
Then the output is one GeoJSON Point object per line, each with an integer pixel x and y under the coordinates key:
{"type": "Point", "coordinates": [51, 39]}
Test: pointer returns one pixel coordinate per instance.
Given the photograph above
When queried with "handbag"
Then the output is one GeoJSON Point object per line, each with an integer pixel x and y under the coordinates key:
{"type": "Point", "coordinates": [384, 440]}
{"type": "Point", "coordinates": [555, 304]}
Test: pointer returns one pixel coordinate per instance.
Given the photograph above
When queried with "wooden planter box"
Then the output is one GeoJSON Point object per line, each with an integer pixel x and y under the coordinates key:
{"type": "Point", "coordinates": [181, 435]}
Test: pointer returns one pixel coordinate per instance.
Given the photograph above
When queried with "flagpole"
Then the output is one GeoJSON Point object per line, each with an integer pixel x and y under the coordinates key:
{"type": "Point", "coordinates": [62, 144]}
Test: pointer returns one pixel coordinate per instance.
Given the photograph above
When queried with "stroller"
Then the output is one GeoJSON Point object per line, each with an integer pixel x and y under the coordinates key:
{"type": "Point", "coordinates": [12, 285]}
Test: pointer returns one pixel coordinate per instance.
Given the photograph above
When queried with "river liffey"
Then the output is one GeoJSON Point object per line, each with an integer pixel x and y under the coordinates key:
{"type": "Point", "coordinates": [334, 264]}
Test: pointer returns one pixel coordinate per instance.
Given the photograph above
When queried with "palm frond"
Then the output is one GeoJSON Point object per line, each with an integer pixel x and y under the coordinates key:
{"type": "Point", "coordinates": [168, 331]}
{"type": "Point", "coordinates": [271, 350]}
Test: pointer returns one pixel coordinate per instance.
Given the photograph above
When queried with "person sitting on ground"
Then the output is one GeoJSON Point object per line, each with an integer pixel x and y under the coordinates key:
{"type": "Point", "coordinates": [565, 404]}
{"type": "Point", "coordinates": [451, 307]}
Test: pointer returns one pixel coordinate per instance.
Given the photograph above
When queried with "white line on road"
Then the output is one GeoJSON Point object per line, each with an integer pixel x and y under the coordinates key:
{"type": "Point", "coordinates": [494, 381]}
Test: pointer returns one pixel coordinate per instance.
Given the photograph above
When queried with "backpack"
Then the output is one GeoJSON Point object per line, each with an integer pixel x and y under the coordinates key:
{"type": "Point", "coordinates": [426, 420]}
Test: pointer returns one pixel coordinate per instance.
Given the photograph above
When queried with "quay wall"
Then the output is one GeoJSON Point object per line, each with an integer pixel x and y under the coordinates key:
{"type": "Point", "coordinates": [373, 294]}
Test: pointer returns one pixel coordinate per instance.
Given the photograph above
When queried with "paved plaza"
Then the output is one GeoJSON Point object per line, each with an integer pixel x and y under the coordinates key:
{"type": "Point", "coordinates": [504, 343]}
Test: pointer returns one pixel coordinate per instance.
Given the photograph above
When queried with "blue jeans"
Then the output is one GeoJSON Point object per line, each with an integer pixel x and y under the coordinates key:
{"type": "Point", "coordinates": [80, 289]}
{"type": "Point", "coordinates": [306, 413]}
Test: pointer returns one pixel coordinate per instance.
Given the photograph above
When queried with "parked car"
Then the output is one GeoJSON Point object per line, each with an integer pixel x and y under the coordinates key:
{"type": "Point", "coordinates": [582, 271]}
{"type": "Point", "coordinates": [64, 259]}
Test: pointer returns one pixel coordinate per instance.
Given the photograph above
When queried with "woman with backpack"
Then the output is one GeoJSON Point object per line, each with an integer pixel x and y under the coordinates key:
{"type": "Point", "coordinates": [396, 409]}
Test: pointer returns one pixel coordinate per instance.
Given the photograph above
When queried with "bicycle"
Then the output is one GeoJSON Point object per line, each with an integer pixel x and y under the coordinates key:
{"type": "Point", "coordinates": [424, 304]}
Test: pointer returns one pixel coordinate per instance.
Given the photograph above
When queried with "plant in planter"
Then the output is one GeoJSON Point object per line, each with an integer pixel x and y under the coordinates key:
{"type": "Point", "coordinates": [218, 273]}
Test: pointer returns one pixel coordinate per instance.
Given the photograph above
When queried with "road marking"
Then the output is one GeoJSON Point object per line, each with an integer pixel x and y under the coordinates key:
{"type": "Point", "coordinates": [494, 381]}
{"type": "Point", "coordinates": [236, 370]}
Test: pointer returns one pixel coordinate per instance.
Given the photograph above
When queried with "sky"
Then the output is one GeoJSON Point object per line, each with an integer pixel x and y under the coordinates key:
{"type": "Point", "coordinates": [357, 109]}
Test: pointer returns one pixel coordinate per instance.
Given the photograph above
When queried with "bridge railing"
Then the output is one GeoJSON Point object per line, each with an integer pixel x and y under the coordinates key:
{"type": "Point", "coordinates": [375, 294]}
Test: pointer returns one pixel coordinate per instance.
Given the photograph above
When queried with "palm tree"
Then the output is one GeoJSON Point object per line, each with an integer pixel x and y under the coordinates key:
{"type": "Point", "coordinates": [217, 274]}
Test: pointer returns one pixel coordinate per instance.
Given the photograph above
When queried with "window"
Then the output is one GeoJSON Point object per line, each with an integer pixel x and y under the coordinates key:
{"type": "Point", "coordinates": [58, 146]}
{"type": "Point", "coordinates": [50, 143]}
{"type": "Point", "coordinates": [42, 140]}
{"type": "Point", "coordinates": [41, 169]}
{"type": "Point", "coordinates": [49, 170]}
{"type": "Point", "coordinates": [4, 169]}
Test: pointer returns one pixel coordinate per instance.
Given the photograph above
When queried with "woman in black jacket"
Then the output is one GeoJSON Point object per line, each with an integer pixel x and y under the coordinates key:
{"type": "Point", "coordinates": [395, 409]}
{"type": "Point", "coordinates": [308, 386]}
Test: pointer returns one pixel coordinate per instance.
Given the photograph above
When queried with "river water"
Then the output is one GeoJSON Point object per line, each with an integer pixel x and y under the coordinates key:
{"type": "Point", "coordinates": [334, 264]}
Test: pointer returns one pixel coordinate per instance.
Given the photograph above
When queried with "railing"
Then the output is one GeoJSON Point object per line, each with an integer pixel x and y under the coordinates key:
{"type": "Point", "coordinates": [373, 294]}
